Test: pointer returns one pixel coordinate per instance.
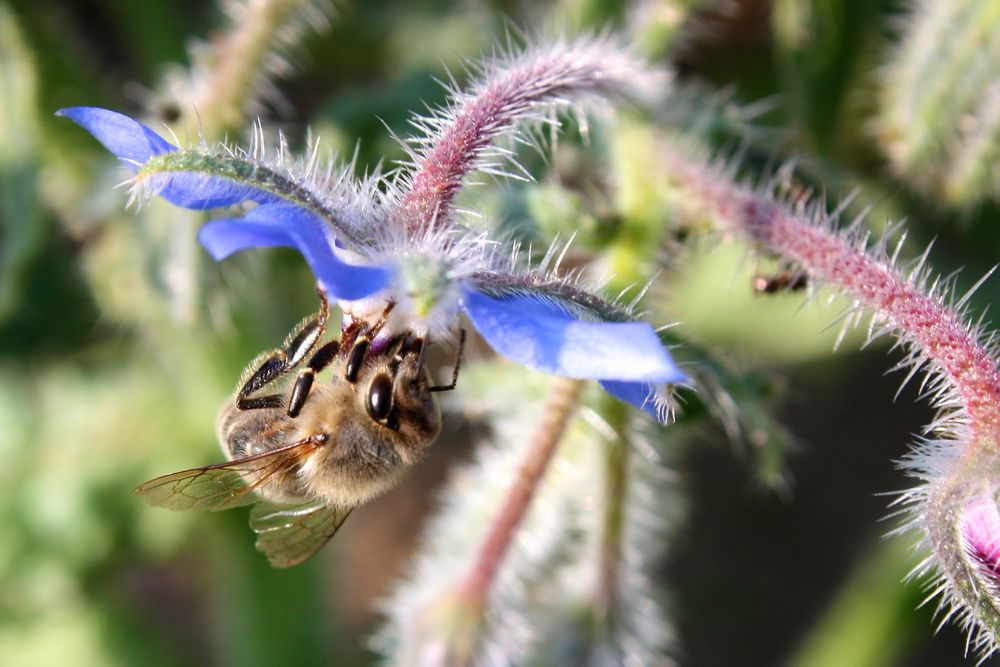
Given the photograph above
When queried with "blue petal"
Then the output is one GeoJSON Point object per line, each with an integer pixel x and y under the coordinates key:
{"type": "Point", "coordinates": [202, 191]}
{"type": "Point", "coordinates": [640, 394]}
{"type": "Point", "coordinates": [289, 226]}
{"type": "Point", "coordinates": [130, 140]}
{"type": "Point", "coordinates": [541, 334]}
{"type": "Point", "coordinates": [135, 144]}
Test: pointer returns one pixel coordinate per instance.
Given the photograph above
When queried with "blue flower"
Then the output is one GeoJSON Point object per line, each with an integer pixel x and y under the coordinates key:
{"type": "Point", "coordinates": [362, 255]}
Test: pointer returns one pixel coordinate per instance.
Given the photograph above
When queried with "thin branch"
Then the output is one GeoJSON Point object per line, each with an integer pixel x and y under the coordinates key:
{"type": "Point", "coordinates": [616, 473]}
{"type": "Point", "coordinates": [968, 385]}
{"type": "Point", "coordinates": [559, 407]}
{"type": "Point", "coordinates": [958, 460]}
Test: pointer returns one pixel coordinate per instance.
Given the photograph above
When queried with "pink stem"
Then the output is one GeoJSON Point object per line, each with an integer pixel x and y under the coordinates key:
{"type": "Point", "coordinates": [556, 413]}
{"type": "Point", "coordinates": [525, 89]}
{"type": "Point", "coordinates": [935, 328]}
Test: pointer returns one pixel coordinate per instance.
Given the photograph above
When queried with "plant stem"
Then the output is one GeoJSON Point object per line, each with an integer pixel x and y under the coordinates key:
{"type": "Point", "coordinates": [958, 461]}
{"type": "Point", "coordinates": [559, 407]}
{"type": "Point", "coordinates": [616, 460]}
{"type": "Point", "coordinates": [511, 91]}
{"type": "Point", "coordinates": [920, 316]}
{"type": "Point", "coordinates": [240, 54]}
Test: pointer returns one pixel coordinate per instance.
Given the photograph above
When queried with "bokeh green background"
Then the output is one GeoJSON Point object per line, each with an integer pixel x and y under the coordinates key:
{"type": "Point", "coordinates": [103, 385]}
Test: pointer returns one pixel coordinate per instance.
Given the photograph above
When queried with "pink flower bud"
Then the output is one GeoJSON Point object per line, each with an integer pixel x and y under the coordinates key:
{"type": "Point", "coordinates": [980, 530]}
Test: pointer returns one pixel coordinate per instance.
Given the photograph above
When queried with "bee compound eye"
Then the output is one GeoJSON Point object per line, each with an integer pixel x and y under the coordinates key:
{"type": "Point", "coordinates": [379, 400]}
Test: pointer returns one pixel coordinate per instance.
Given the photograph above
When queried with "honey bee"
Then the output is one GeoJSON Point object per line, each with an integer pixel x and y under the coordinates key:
{"type": "Point", "coordinates": [307, 456]}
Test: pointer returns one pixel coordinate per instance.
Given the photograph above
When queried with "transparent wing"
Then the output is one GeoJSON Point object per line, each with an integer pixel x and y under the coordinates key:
{"type": "Point", "coordinates": [225, 485]}
{"type": "Point", "coordinates": [289, 534]}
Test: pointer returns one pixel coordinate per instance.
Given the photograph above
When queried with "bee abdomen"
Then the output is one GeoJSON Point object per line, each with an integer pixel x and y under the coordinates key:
{"type": "Point", "coordinates": [244, 433]}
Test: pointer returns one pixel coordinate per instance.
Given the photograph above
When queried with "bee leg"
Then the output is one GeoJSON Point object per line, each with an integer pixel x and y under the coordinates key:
{"type": "Point", "coordinates": [360, 344]}
{"type": "Point", "coordinates": [369, 332]}
{"type": "Point", "coordinates": [458, 364]}
{"type": "Point", "coordinates": [298, 344]}
{"type": "Point", "coordinates": [375, 328]}
{"type": "Point", "coordinates": [323, 357]}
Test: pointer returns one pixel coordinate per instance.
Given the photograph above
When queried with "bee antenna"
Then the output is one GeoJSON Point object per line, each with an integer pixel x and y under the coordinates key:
{"type": "Point", "coordinates": [458, 364]}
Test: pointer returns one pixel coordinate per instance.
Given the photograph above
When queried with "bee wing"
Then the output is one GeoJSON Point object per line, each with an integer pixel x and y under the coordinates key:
{"type": "Point", "coordinates": [289, 534]}
{"type": "Point", "coordinates": [225, 485]}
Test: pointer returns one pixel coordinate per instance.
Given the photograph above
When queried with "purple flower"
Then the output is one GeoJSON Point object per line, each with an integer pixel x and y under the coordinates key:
{"type": "Point", "coordinates": [370, 242]}
{"type": "Point", "coordinates": [981, 534]}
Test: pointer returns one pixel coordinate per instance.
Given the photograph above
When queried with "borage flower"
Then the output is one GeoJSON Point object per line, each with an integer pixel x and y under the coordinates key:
{"type": "Point", "coordinates": [401, 239]}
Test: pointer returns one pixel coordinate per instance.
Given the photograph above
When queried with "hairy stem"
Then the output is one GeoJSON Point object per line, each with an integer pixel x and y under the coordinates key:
{"type": "Point", "coordinates": [935, 328]}
{"type": "Point", "coordinates": [525, 88]}
{"type": "Point", "coordinates": [616, 463]}
{"type": "Point", "coordinates": [959, 461]}
{"type": "Point", "coordinates": [238, 62]}
{"type": "Point", "coordinates": [556, 413]}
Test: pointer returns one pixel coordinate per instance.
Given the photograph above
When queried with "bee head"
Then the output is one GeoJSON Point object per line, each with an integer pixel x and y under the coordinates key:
{"type": "Point", "coordinates": [393, 386]}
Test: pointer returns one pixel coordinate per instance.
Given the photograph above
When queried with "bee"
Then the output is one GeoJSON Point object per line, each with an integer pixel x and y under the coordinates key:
{"type": "Point", "coordinates": [307, 456]}
{"type": "Point", "coordinates": [786, 281]}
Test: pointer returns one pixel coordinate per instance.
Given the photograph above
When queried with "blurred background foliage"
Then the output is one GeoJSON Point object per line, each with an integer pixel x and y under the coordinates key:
{"type": "Point", "coordinates": [119, 340]}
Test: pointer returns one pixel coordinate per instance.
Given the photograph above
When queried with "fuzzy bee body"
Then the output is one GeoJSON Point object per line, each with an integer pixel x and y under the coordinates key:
{"type": "Point", "coordinates": [310, 454]}
{"type": "Point", "coordinates": [359, 459]}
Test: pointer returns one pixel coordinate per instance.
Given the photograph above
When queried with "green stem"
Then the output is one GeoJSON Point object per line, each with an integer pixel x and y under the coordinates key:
{"type": "Point", "coordinates": [616, 461]}
{"type": "Point", "coordinates": [238, 59]}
